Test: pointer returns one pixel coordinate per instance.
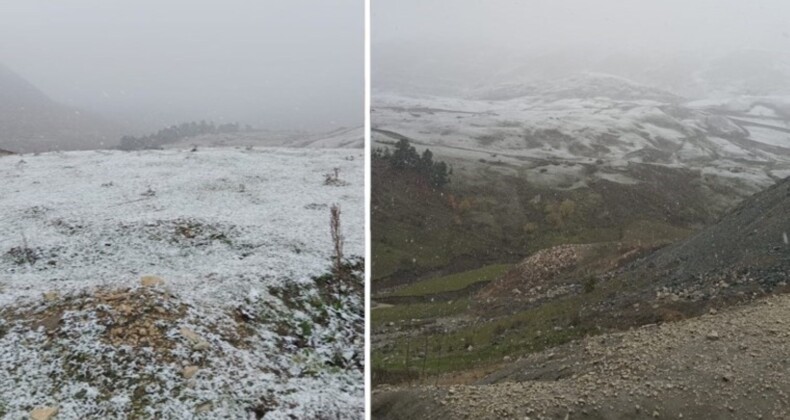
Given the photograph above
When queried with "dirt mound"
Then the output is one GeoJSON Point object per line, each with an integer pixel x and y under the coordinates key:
{"type": "Point", "coordinates": [530, 276]}
{"type": "Point", "coordinates": [727, 365]}
{"type": "Point", "coordinates": [136, 318]}
{"type": "Point", "coordinates": [559, 270]}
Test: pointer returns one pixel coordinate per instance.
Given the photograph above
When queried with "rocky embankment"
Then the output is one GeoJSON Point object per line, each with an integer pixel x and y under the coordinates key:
{"type": "Point", "coordinates": [727, 365]}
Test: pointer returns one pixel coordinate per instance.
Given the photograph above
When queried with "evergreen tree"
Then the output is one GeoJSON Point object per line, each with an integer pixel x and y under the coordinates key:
{"type": "Point", "coordinates": [439, 175]}
{"type": "Point", "coordinates": [425, 164]}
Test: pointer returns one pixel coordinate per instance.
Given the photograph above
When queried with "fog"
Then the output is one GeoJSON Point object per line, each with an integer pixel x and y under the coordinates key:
{"type": "Point", "coordinates": [441, 44]}
{"type": "Point", "coordinates": [295, 64]}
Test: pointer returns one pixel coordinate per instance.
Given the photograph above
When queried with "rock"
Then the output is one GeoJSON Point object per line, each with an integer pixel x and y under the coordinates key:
{"type": "Point", "coordinates": [198, 343]}
{"type": "Point", "coordinates": [190, 335]}
{"type": "Point", "coordinates": [204, 408]}
{"type": "Point", "coordinates": [51, 296]}
{"type": "Point", "coordinates": [713, 336]}
{"type": "Point", "coordinates": [151, 281]}
{"type": "Point", "coordinates": [189, 371]}
{"type": "Point", "coordinates": [44, 413]}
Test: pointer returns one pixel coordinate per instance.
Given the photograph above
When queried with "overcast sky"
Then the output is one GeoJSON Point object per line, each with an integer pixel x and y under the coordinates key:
{"type": "Point", "coordinates": [452, 47]}
{"type": "Point", "coordinates": [273, 63]}
{"type": "Point", "coordinates": [536, 24]}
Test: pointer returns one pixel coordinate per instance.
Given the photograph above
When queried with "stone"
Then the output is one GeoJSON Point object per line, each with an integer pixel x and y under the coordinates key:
{"type": "Point", "coordinates": [190, 335]}
{"type": "Point", "coordinates": [151, 281]}
{"type": "Point", "coordinates": [44, 413]}
{"type": "Point", "coordinates": [189, 371]}
{"type": "Point", "coordinates": [713, 336]}
{"type": "Point", "coordinates": [198, 343]}
{"type": "Point", "coordinates": [51, 296]}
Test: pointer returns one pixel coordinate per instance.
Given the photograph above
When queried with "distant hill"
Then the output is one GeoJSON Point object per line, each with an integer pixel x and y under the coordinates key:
{"type": "Point", "coordinates": [341, 138]}
{"type": "Point", "coordinates": [32, 122]}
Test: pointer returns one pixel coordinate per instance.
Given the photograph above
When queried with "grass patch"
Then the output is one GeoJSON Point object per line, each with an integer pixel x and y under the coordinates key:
{"type": "Point", "coordinates": [418, 311]}
{"type": "Point", "coordinates": [474, 346]}
{"type": "Point", "coordinates": [486, 342]}
{"type": "Point", "coordinates": [453, 282]}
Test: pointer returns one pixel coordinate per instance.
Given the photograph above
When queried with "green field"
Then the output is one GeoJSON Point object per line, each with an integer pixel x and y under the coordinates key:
{"type": "Point", "coordinates": [453, 282]}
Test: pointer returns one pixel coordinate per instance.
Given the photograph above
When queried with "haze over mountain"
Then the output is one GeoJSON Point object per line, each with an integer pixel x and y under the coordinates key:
{"type": "Point", "coordinates": [692, 49]}
{"type": "Point", "coordinates": [32, 122]}
{"type": "Point", "coordinates": [437, 68]}
{"type": "Point", "coordinates": [294, 66]}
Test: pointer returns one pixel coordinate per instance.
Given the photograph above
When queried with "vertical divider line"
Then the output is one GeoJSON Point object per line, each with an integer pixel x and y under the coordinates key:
{"type": "Point", "coordinates": [368, 236]}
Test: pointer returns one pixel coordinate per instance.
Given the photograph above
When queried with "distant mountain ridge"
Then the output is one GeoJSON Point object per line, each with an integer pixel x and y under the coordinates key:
{"type": "Point", "coordinates": [448, 70]}
{"type": "Point", "coordinates": [585, 85]}
{"type": "Point", "coordinates": [30, 121]}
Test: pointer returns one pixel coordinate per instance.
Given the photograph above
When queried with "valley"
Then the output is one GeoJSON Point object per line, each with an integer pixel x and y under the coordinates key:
{"type": "Point", "coordinates": [576, 209]}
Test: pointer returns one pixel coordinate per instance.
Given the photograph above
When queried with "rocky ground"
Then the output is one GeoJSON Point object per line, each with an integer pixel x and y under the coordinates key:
{"type": "Point", "coordinates": [731, 364]}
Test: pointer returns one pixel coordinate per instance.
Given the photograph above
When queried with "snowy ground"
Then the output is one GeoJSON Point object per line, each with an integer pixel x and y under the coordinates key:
{"type": "Point", "coordinates": [341, 138]}
{"type": "Point", "coordinates": [230, 231]}
{"type": "Point", "coordinates": [523, 127]}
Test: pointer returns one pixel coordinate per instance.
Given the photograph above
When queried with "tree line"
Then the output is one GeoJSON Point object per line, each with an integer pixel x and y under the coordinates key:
{"type": "Point", "coordinates": [178, 132]}
{"type": "Point", "coordinates": [404, 157]}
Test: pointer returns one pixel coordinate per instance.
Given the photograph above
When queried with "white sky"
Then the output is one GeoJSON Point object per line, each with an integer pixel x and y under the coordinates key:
{"type": "Point", "coordinates": [628, 24]}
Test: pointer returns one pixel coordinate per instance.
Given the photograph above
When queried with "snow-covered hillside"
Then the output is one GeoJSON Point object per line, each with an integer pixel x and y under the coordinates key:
{"type": "Point", "coordinates": [596, 119]}
{"type": "Point", "coordinates": [239, 328]}
{"type": "Point", "coordinates": [341, 138]}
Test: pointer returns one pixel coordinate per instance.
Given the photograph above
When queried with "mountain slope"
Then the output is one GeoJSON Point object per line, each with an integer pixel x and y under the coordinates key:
{"type": "Point", "coordinates": [746, 252]}
{"type": "Point", "coordinates": [32, 122]}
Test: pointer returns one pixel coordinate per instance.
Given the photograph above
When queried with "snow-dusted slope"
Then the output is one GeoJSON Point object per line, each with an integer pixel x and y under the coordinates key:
{"type": "Point", "coordinates": [596, 118]}
{"type": "Point", "coordinates": [225, 229]}
{"type": "Point", "coordinates": [342, 138]}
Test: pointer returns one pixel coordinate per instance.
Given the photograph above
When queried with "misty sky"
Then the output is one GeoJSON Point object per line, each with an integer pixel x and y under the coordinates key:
{"type": "Point", "coordinates": [545, 24]}
{"type": "Point", "coordinates": [281, 64]}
